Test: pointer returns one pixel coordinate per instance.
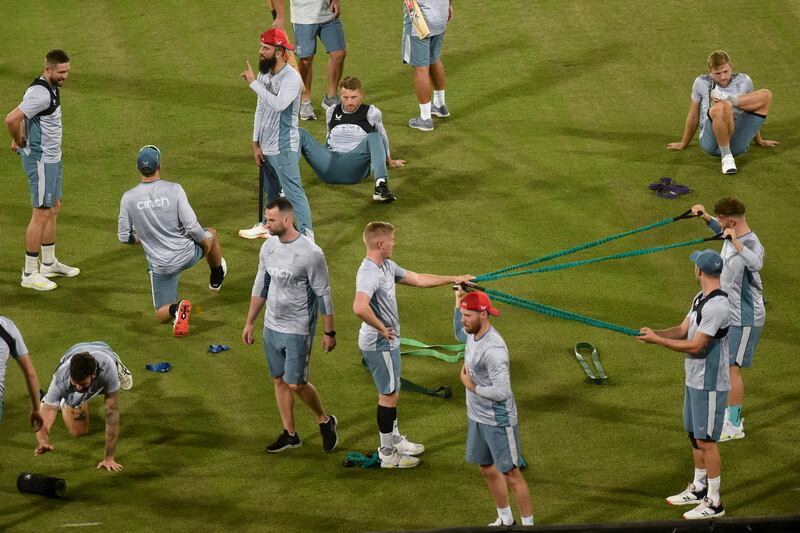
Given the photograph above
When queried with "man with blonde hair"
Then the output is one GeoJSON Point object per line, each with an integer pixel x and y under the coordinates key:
{"type": "Point", "coordinates": [375, 304]}
{"type": "Point", "coordinates": [728, 112]}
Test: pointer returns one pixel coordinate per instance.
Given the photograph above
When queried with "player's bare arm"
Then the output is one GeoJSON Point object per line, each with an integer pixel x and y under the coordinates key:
{"type": "Point", "coordinates": [32, 383]}
{"type": "Point", "coordinates": [432, 280]}
{"type": "Point", "coordinates": [689, 127]}
{"type": "Point", "coordinates": [363, 311]}
{"type": "Point", "coordinates": [112, 433]}
{"type": "Point", "coordinates": [48, 413]}
{"type": "Point", "coordinates": [256, 305]}
{"type": "Point", "coordinates": [15, 122]}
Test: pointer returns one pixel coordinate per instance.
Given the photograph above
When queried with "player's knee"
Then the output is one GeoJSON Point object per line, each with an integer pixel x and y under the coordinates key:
{"type": "Point", "coordinates": [720, 109]}
{"type": "Point", "coordinates": [306, 61]}
{"type": "Point", "coordinates": [79, 431]}
{"type": "Point", "coordinates": [338, 55]}
{"type": "Point", "coordinates": [767, 94]}
{"type": "Point", "coordinates": [296, 387]}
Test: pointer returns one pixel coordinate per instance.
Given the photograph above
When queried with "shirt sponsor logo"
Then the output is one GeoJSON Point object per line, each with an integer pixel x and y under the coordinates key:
{"type": "Point", "coordinates": [280, 273]}
{"type": "Point", "coordinates": [151, 204]}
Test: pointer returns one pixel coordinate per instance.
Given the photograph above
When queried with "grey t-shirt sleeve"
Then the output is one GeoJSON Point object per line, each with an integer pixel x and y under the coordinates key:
{"type": "Point", "coordinates": [12, 336]}
{"type": "Point", "coordinates": [399, 272]}
{"type": "Point", "coordinates": [187, 217]}
{"type": "Point", "coordinates": [124, 226]}
{"type": "Point", "coordinates": [716, 315]}
{"type": "Point", "coordinates": [497, 366]}
{"type": "Point", "coordinates": [56, 390]}
{"type": "Point", "coordinates": [36, 99]}
{"type": "Point", "coordinates": [367, 281]}
{"type": "Point", "coordinates": [700, 89]}
{"type": "Point", "coordinates": [319, 281]}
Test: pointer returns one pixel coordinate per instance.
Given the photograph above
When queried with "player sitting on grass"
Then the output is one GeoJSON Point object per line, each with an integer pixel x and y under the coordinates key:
{"type": "Point", "coordinates": [356, 143]}
{"type": "Point", "coordinates": [157, 215]}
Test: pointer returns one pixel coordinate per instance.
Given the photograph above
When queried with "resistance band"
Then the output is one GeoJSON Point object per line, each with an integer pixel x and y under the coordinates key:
{"type": "Point", "coordinates": [598, 376]}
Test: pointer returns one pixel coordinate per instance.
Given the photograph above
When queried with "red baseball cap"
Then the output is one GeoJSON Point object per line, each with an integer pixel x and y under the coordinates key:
{"type": "Point", "coordinates": [276, 37]}
{"type": "Point", "coordinates": [478, 301]}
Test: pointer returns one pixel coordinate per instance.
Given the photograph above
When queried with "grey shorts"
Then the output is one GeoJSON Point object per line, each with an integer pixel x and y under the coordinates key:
{"type": "Point", "coordinates": [742, 342]}
{"type": "Point", "coordinates": [704, 412]}
{"type": "Point", "coordinates": [420, 52]}
{"type": "Point", "coordinates": [745, 128]}
{"type": "Point", "coordinates": [495, 445]}
{"type": "Point", "coordinates": [385, 368]}
{"type": "Point", "coordinates": [288, 355]}
{"type": "Point", "coordinates": [331, 34]}
{"type": "Point", "coordinates": [165, 286]}
{"type": "Point", "coordinates": [44, 180]}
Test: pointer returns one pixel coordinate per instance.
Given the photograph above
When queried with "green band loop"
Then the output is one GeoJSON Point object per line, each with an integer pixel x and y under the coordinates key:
{"type": "Point", "coordinates": [598, 376]}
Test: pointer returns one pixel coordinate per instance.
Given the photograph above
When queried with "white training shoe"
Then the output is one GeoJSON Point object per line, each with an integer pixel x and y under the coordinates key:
{"type": "Point", "coordinates": [705, 510]}
{"type": "Point", "coordinates": [728, 165]}
{"type": "Point", "coordinates": [125, 376]}
{"type": "Point", "coordinates": [259, 231]}
{"type": "Point", "coordinates": [37, 281]}
{"type": "Point", "coordinates": [58, 269]}
{"type": "Point", "coordinates": [499, 523]}
{"type": "Point", "coordinates": [407, 447]}
{"type": "Point", "coordinates": [397, 459]}
{"type": "Point", "coordinates": [690, 496]}
{"type": "Point", "coordinates": [731, 432]}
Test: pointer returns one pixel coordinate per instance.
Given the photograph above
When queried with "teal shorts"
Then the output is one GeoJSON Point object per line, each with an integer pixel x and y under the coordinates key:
{"type": "Point", "coordinates": [420, 52]}
{"type": "Point", "coordinates": [331, 34]}
{"type": "Point", "coordinates": [288, 355]}
{"type": "Point", "coordinates": [704, 412]}
{"type": "Point", "coordinates": [742, 342]}
{"type": "Point", "coordinates": [165, 286]}
{"type": "Point", "coordinates": [44, 180]}
{"type": "Point", "coordinates": [745, 128]}
{"type": "Point", "coordinates": [497, 445]}
{"type": "Point", "coordinates": [384, 365]}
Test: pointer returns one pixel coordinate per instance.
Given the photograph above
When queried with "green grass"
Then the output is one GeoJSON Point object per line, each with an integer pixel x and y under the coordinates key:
{"type": "Point", "coordinates": [561, 112]}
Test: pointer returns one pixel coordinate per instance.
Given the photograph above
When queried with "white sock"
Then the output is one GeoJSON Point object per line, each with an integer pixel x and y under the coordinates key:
{"type": "Point", "coordinates": [713, 490]}
{"type": "Point", "coordinates": [49, 254]}
{"type": "Point", "coordinates": [378, 182]}
{"type": "Point", "coordinates": [725, 150]}
{"type": "Point", "coordinates": [396, 436]}
{"type": "Point", "coordinates": [527, 520]}
{"type": "Point", "coordinates": [31, 264]}
{"type": "Point", "coordinates": [386, 441]}
{"type": "Point", "coordinates": [505, 515]}
{"type": "Point", "coordinates": [425, 111]}
{"type": "Point", "coordinates": [438, 98]}
{"type": "Point", "coordinates": [699, 478]}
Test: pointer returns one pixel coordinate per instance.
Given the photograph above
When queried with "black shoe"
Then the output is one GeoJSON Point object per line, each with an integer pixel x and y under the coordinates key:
{"type": "Point", "coordinates": [218, 276]}
{"type": "Point", "coordinates": [383, 194]}
{"type": "Point", "coordinates": [330, 438]}
{"type": "Point", "coordinates": [283, 442]}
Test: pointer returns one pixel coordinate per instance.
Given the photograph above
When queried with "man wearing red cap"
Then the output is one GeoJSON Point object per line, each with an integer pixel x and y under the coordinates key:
{"type": "Point", "coordinates": [276, 139]}
{"type": "Point", "coordinates": [492, 433]}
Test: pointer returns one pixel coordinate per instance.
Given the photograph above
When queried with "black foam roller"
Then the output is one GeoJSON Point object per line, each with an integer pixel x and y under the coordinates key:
{"type": "Point", "coordinates": [52, 487]}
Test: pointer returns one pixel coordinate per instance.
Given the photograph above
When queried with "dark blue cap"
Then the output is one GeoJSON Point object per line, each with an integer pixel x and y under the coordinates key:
{"type": "Point", "coordinates": [149, 159]}
{"type": "Point", "coordinates": [707, 261]}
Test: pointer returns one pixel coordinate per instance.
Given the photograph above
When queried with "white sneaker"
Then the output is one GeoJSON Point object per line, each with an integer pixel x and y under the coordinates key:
{"type": "Point", "coordinates": [397, 460]}
{"type": "Point", "coordinates": [125, 376]}
{"type": "Point", "coordinates": [37, 281]}
{"type": "Point", "coordinates": [307, 111]}
{"type": "Point", "coordinates": [728, 165]}
{"type": "Point", "coordinates": [731, 432]}
{"type": "Point", "coordinates": [58, 269]}
{"type": "Point", "coordinates": [688, 497]}
{"type": "Point", "coordinates": [499, 523]}
{"type": "Point", "coordinates": [407, 447]}
{"type": "Point", "coordinates": [259, 231]}
{"type": "Point", "coordinates": [705, 510]}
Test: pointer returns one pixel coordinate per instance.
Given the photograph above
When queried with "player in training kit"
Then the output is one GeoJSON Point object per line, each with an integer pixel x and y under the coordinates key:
{"type": "Point", "coordinates": [35, 128]}
{"type": "Point", "coordinates": [312, 19]}
{"type": "Point", "coordinates": [356, 143]}
{"type": "Point", "coordinates": [375, 304]}
{"type": "Point", "coordinates": [702, 337]}
{"type": "Point", "coordinates": [156, 214]}
{"type": "Point", "coordinates": [86, 370]}
{"type": "Point", "coordinates": [728, 112]}
{"type": "Point", "coordinates": [492, 427]}
{"type": "Point", "coordinates": [292, 280]}
{"type": "Point", "coordinates": [276, 140]}
{"type": "Point", "coordinates": [12, 344]}
{"type": "Point", "coordinates": [425, 56]}
{"type": "Point", "coordinates": [743, 255]}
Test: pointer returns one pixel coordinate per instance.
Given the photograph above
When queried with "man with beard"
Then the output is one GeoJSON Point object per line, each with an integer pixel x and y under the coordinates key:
{"type": "Point", "coordinates": [356, 143]}
{"type": "Point", "coordinates": [292, 279]}
{"type": "Point", "coordinates": [276, 140]}
{"type": "Point", "coordinates": [492, 427]}
{"type": "Point", "coordinates": [35, 128]}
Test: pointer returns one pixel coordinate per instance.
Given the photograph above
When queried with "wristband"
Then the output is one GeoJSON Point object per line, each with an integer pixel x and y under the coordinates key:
{"type": "Point", "coordinates": [331, 333]}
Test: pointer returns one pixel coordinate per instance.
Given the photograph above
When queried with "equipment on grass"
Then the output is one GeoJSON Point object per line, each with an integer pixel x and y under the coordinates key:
{"type": "Point", "coordinates": [52, 487]}
{"type": "Point", "coordinates": [665, 188]}
{"type": "Point", "coordinates": [417, 20]}
{"type": "Point", "coordinates": [598, 376]}
{"type": "Point", "coordinates": [162, 367]}
{"type": "Point", "coordinates": [217, 348]}
{"type": "Point", "coordinates": [368, 460]}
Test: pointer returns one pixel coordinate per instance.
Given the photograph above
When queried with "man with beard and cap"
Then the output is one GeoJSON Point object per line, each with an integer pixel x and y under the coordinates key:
{"type": "Point", "coordinates": [292, 280]}
{"type": "Point", "coordinates": [276, 140]}
{"type": "Point", "coordinates": [492, 426]}
{"type": "Point", "coordinates": [35, 128]}
{"type": "Point", "coordinates": [356, 143]}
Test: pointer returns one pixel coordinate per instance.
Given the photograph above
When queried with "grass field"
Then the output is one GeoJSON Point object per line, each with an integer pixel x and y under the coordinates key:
{"type": "Point", "coordinates": [561, 112]}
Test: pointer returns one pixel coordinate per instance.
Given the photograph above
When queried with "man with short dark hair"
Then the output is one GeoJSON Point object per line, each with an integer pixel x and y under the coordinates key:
{"type": "Point", "coordinates": [86, 370]}
{"type": "Point", "coordinates": [743, 255]}
{"type": "Point", "coordinates": [728, 112]}
{"type": "Point", "coordinates": [356, 143]}
{"type": "Point", "coordinates": [156, 214]}
{"type": "Point", "coordinates": [35, 128]}
{"type": "Point", "coordinates": [292, 280]}
{"type": "Point", "coordinates": [702, 337]}
{"type": "Point", "coordinates": [12, 344]}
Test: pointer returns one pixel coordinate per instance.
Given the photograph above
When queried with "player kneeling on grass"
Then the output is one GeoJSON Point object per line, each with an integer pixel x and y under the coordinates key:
{"type": "Point", "coordinates": [356, 143]}
{"type": "Point", "coordinates": [702, 336]}
{"type": "Point", "coordinates": [85, 370]}
{"type": "Point", "coordinates": [492, 432]}
{"type": "Point", "coordinates": [157, 215]}
{"type": "Point", "coordinates": [12, 343]}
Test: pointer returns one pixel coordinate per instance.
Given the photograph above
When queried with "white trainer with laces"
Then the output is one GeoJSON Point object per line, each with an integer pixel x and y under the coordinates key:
{"type": "Point", "coordinates": [37, 282]}
{"type": "Point", "coordinates": [259, 231]}
{"type": "Point", "coordinates": [407, 447]}
{"type": "Point", "coordinates": [397, 459]}
{"type": "Point", "coordinates": [690, 496]}
{"type": "Point", "coordinates": [731, 432]}
{"type": "Point", "coordinates": [706, 509]}
{"type": "Point", "coordinates": [125, 376]}
{"type": "Point", "coordinates": [58, 269]}
{"type": "Point", "coordinates": [499, 523]}
{"type": "Point", "coordinates": [728, 165]}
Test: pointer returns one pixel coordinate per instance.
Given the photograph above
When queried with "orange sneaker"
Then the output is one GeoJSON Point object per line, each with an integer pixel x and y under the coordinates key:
{"type": "Point", "coordinates": [180, 328]}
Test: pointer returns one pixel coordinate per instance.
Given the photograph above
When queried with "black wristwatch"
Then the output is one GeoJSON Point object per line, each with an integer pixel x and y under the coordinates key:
{"type": "Point", "coordinates": [331, 333]}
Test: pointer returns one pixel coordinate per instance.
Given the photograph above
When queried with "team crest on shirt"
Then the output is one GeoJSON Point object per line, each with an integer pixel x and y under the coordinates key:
{"type": "Point", "coordinates": [296, 259]}
{"type": "Point", "coordinates": [337, 117]}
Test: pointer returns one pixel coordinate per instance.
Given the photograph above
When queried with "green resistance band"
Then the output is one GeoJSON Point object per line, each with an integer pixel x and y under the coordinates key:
{"type": "Point", "coordinates": [598, 376]}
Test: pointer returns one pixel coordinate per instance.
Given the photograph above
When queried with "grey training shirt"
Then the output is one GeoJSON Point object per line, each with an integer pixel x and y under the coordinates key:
{"type": "Point", "coordinates": [378, 282]}
{"type": "Point", "coordinates": [107, 380]}
{"type": "Point", "coordinates": [709, 369]}
{"type": "Point", "coordinates": [11, 344]}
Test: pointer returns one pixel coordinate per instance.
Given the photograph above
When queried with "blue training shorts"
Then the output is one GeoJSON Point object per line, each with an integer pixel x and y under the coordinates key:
{"type": "Point", "coordinates": [288, 355]}
{"type": "Point", "coordinates": [44, 180]}
{"type": "Point", "coordinates": [385, 368]}
{"type": "Point", "coordinates": [165, 286]}
{"type": "Point", "coordinates": [742, 342]}
{"type": "Point", "coordinates": [420, 52]}
{"type": "Point", "coordinates": [704, 412]}
{"type": "Point", "coordinates": [745, 128]}
{"type": "Point", "coordinates": [497, 445]}
{"type": "Point", "coordinates": [331, 34]}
